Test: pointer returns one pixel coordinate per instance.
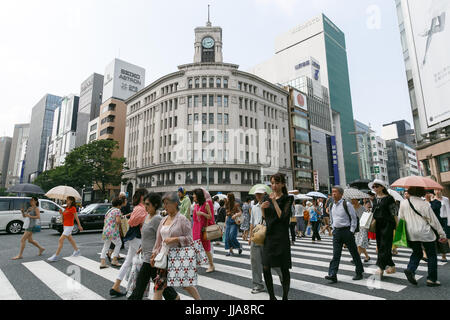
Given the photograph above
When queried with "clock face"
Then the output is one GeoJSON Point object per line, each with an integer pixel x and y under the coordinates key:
{"type": "Point", "coordinates": [208, 43]}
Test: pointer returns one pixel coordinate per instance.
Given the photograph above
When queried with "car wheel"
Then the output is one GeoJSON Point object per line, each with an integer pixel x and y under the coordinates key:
{"type": "Point", "coordinates": [75, 230]}
{"type": "Point", "coordinates": [14, 227]}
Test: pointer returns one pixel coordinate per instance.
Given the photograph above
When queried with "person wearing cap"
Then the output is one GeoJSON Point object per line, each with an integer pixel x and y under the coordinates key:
{"type": "Point", "coordinates": [384, 212]}
{"type": "Point", "coordinates": [185, 206]}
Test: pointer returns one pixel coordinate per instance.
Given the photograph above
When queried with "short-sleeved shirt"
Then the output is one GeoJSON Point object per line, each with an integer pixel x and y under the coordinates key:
{"type": "Point", "coordinates": [256, 217]}
{"type": "Point", "coordinates": [69, 216]}
{"type": "Point", "coordinates": [111, 230]}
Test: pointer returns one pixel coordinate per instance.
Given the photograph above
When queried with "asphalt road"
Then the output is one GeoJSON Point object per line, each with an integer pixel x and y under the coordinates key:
{"type": "Point", "coordinates": [231, 281]}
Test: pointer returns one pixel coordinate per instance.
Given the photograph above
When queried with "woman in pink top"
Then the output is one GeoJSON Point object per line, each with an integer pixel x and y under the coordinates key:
{"type": "Point", "coordinates": [203, 217]}
{"type": "Point", "coordinates": [133, 237]}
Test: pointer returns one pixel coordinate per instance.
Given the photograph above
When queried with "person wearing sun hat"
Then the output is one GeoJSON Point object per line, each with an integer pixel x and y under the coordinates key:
{"type": "Point", "coordinates": [185, 206]}
{"type": "Point", "coordinates": [384, 212]}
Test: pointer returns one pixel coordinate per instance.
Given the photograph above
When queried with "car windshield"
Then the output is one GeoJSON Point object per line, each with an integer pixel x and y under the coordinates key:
{"type": "Point", "coordinates": [89, 209]}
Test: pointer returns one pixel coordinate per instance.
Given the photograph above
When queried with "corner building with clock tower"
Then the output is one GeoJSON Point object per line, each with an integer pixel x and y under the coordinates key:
{"type": "Point", "coordinates": [207, 125]}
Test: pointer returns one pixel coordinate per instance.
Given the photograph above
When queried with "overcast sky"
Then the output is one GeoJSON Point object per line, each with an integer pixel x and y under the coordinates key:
{"type": "Point", "coordinates": [51, 46]}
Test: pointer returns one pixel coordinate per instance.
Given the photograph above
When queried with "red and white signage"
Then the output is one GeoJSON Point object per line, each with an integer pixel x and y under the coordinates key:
{"type": "Point", "coordinates": [300, 100]}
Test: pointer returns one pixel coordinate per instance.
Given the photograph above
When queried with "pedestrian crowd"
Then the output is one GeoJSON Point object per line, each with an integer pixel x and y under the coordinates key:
{"type": "Point", "coordinates": [170, 237]}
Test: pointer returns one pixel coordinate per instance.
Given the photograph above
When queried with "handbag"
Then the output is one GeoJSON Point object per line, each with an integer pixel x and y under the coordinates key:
{"type": "Point", "coordinates": [308, 231]}
{"type": "Point", "coordinates": [293, 219]}
{"type": "Point", "coordinates": [441, 248]}
{"type": "Point", "coordinates": [182, 267]}
{"type": "Point", "coordinates": [124, 226]}
{"type": "Point", "coordinates": [135, 269]}
{"type": "Point", "coordinates": [212, 232]}
{"type": "Point", "coordinates": [366, 220]}
{"type": "Point", "coordinates": [161, 258]}
{"type": "Point", "coordinates": [259, 234]}
{"type": "Point", "coordinates": [373, 226]}
{"type": "Point", "coordinates": [401, 238]}
{"type": "Point", "coordinates": [26, 223]}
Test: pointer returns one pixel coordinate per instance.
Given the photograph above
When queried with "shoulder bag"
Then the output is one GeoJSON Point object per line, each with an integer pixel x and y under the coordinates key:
{"type": "Point", "coordinates": [161, 258]}
{"type": "Point", "coordinates": [350, 217]}
{"type": "Point", "coordinates": [259, 233]}
{"type": "Point", "coordinates": [442, 248]}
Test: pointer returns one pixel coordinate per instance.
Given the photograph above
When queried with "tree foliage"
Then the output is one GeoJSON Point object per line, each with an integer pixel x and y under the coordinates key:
{"type": "Point", "coordinates": [89, 165]}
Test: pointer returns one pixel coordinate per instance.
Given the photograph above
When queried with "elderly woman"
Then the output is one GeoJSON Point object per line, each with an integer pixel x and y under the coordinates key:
{"type": "Point", "coordinates": [174, 231]}
{"type": "Point", "coordinates": [422, 228]}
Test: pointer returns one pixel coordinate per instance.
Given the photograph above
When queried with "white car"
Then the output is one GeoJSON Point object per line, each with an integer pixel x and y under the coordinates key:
{"type": "Point", "coordinates": [11, 219]}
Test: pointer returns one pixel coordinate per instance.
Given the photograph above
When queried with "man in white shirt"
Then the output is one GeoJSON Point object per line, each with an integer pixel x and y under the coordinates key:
{"type": "Point", "coordinates": [344, 222]}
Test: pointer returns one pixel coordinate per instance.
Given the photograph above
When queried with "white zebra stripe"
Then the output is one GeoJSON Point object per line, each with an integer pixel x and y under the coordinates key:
{"type": "Point", "coordinates": [64, 286]}
{"type": "Point", "coordinates": [7, 291]}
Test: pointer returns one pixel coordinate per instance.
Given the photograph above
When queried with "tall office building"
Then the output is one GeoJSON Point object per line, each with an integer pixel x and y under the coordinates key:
{"type": "Point", "coordinates": [63, 138]}
{"type": "Point", "coordinates": [372, 153]}
{"type": "Point", "coordinates": [400, 131]}
{"type": "Point", "coordinates": [5, 149]}
{"type": "Point", "coordinates": [16, 163]}
{"type": "Point", "coordinates": [317, 104]}
{"type": "Point", "coordinates": [322, 39]}
{"type": "Point", "coordinates": [425, 34]}
{"type": "Point", "coordinates": [40, 131]}
{"type": "Point", "coordinates": [402, 161]}
{"type": "Point", "coordinates": [89, 109]}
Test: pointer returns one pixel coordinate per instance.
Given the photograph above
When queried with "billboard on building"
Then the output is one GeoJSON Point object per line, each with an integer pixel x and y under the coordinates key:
{"type": "Point", "coordinates": [431, 33]}
{"type": "Point", "coordinates": [300, 100]}
{"type": "Point", "coordinates": [122, 80]}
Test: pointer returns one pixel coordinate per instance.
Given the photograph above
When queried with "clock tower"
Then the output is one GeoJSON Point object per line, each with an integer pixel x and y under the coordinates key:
{"type": "Point", "coordinates": [208, 44]}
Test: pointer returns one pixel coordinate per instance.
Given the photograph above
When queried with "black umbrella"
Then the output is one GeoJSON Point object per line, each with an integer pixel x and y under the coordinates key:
{"type": "Point", "coordinates": [360, 184]}
{"type": "Point", "coordinates": [26, 188]}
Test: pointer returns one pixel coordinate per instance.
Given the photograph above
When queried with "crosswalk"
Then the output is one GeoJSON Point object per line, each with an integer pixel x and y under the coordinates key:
{"type": "Point", "coordinates": [80, 278]}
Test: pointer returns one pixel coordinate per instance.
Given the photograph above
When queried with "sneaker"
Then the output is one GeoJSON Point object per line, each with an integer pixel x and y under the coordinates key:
{"type": "Point", "coordinates": [433, 284]}
{"type": "Point", "coordinates": [358, 277]}
{"type": "Point", "coordinates": [54, 258]}
{"type": "Point", "coordinates": [240, 251]}
{"type": "Point", "coordinates": [258, 290]}
{"type": "Point", "coordinates": [76, 253]}
{"type": "Point", "coordinates": [333, 279]}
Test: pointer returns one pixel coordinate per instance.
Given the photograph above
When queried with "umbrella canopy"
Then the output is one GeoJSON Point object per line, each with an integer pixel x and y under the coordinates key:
{"type": "Point", "coordinates": [352, 193]}
{"type": "Point", "coordinates": [26, 188]}
{"type": "Point", "coordinates": [62, 192]}
{"type": "Point", "coordinates": [316, 195]}
{"type": "Point", "coordinates": [395, 195]}
{"type": "Point", "coordinates": [302, 197]}
{"type": "Point", "coordinates": [415, 181]}
{"type": "Point", "coordinates": [360, 184]}
{"type": "Point", "coordinates": [221, 196]}
{"type": "Point", "coordinates": [254, 188]}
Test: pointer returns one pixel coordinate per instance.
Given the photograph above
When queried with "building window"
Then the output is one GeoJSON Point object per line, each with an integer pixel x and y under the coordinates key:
{"type": "Point", "coordinates": [444, 162]}
{"type": "Point", "coordinates": [225, 119]}
{"type": "Point", "coordinates": [225, 101]}
{"type": "Point", "coordinates": [197, 83]}
{"type": "Point", "coordinates": [225, 83]}
{"type": "Point", "coordinates": [94, 127]}
{"type": "Point", "coordinates": [175, 122]}
{"type": "Point", "coordinates": [189, 102]}
{"type": "Point", "coordinates": [218, 83]}
{"type": "Point", "coordinates": [241, 121]}
{"type": "Point", "coordinates": [211, 82]}
{"type": "Point", "coordinates": [196, 119]}
{"type": "Point", "coordinates": [219, 118]}
{"type": "Point", "coordinates": [204, 80]}
{"type": "Point", "coordinates": [240, 103]}
{"type": "Point", "coordinates": [219, 101]}
{"type": "Point", "coordinates": [92, 137]}
{"type": "Point", "coordinates": [189, 119]}
{"type": "Point", "coordinates": [205, 101]}
{"type": "Point", "coordinates": [211, 118]}
{"type": "Point", "coordinates": [211, 100]}
{"type": "Point", "coordinates": [204, 136]}
{"type": "Point", "coordinates": [204, 118]}
{"type": "Point", "coordinates": [196, 101]}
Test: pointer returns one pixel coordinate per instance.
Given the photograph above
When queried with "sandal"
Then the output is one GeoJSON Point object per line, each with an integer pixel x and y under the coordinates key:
{"type": "Point", "coordinates": [211, 269]}
{"type": "Point", "coordinates": [103, 267]}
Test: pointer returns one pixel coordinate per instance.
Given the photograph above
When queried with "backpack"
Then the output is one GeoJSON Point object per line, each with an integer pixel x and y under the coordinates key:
{"type": "Point", "coordinates": [350, 217]}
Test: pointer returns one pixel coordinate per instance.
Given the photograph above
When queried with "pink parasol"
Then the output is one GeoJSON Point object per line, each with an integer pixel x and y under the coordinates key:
{"type": "Point", "coordinates": [415, 181]}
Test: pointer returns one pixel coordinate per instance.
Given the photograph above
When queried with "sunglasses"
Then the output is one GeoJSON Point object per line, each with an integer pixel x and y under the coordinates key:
{"type": "Point", "coordinates": [147, 203]}
{"type": "Point", "coordinates": [376, 186]}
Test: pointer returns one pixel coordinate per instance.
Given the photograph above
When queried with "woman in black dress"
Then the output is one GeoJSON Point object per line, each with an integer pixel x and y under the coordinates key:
{"type": "Point", "coordinates": [276, 211]}
{"type": "Point", "coordinates": [384, 212]}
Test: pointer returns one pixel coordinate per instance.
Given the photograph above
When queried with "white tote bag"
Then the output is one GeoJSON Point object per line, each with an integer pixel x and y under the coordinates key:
{"type": "Point", "coordinates": [366, 220]}
{"type": "Point", "coordinates": [26, 223]}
